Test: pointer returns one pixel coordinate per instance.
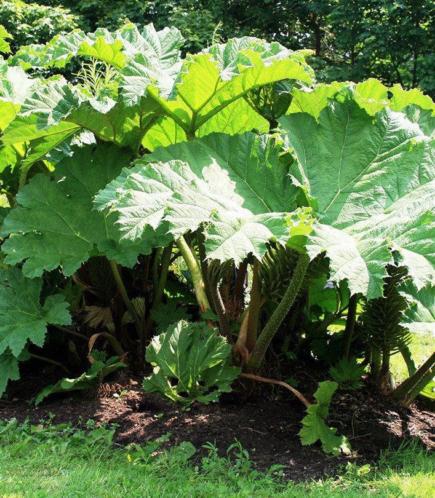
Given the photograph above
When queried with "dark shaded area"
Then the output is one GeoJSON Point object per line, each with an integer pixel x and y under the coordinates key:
{"type": "Point", "coordinates": [266, 423]}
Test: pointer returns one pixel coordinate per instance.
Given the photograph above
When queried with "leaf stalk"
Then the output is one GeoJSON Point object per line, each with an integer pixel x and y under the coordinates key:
{"type": "Point", "coordinates": [281, 311]}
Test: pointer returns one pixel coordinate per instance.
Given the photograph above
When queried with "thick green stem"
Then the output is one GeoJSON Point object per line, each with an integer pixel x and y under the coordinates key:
{"type": "Point", "coordinates": [407, 357]}
{"type": "Point", "coordinates": [195, 272]}
{"type": "Point", "coordinates": [158, 291]}
{"type": "Point", "coordinates": [255, 305]}
{"type": "Point", "coordinates": [411, 387]}
{"type": "Point", "coordinates": [219, 309]}
{"type": "Point", "coordinates": [23, 177]}
{"type": "Point", "coordinates": [281, 311]}
{"type": "Point", "coordinates": [49, 360]}
{"type": "Point", "coordinates": [239, 286]}
{"type": "Point", "coordinates": [350, 325]}
{"type": "Point", "coordinates": [203, 264]}
{"type": "Point", "coordinates": [156, 266]}
{"type": "Point", "coordinates": [164, 269]}
{"type": "Point", "coordinates": [123, 291]}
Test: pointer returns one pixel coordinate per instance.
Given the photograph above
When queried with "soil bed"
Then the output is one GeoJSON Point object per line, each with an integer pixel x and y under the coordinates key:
{"type": "Point", "coordinates": [265, 424]}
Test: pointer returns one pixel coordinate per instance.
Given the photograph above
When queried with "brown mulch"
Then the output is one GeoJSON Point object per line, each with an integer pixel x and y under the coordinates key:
{"type": "Point", "coordinates": [265, 424]}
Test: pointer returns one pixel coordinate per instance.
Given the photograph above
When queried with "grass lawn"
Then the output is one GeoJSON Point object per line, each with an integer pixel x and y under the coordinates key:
{"type": "Point", "coordinates": [421, 348]}
{"type": "Point", "coordinates": [57, 461]}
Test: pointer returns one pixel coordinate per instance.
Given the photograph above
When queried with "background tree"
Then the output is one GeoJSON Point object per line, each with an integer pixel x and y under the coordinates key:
{"type": "Point", "coordinates": [34, 22]}
{"type": "Point", "coordinates": [352, 39]}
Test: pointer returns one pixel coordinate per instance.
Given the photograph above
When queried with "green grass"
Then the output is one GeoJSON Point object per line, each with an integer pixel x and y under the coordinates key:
{"type": "Point", "coordinates": [57, 461]}
{"type": "Point", "coordinates": [421, 347]}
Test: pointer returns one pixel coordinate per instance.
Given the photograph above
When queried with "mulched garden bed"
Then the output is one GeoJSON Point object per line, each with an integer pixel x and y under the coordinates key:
{"type": "Point", "coordinates": [266, 423]}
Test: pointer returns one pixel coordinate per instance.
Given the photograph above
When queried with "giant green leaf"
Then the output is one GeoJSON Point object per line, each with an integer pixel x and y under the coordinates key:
{"type": "Point", "coordinates": [26, 129]}
{"type": "Point", "coordinates": [234, 119]}
{"type": "Point", "coordinates": [23, 319]}
{"type": "Point", "coordinates": [371, 95]}
{"type": "Point", "coordinates": [57, 106]}
{"type": "Point", "coordinates": [154, 57]}
{"type": "Point", "coordinates": [113, 48]}
{"type": "Point", "coordinates": [205, 94]}
{"type": "Point", "coordinates": [11, 155]}
{"type": "Point", "coordinates": [123, 125]}
{"type": "Point", "coordinates": [237, 187]}
{"type": "Point", "coordinates": [54, 223]}
{"type": "Point", "coordinates": [14, 83]}
{"type": "Point", "coordinates": [420, 316]}
{"type": "Point", "coordinates": [100, 49]}
{"type": "Point", "coordinates": [38, 142]}
{"type": "Point", "coordinates": [50, 102]}
{"type": "Point", "coordinates": [15, 86]}
{"type": "Point", "coordinates": [55, 54]}
{"type": "Point", "coordinates": [400, 99]}
{"type": "Point", "coordinates": [211, 81]}
{"type": "Point", "coordinates": [371, 183]}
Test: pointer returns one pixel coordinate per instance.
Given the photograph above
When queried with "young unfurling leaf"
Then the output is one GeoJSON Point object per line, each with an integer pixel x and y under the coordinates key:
{"type": "Point", "coordinates": [314, 423]}
{"type": "Point", "coordinates": [191, 362]}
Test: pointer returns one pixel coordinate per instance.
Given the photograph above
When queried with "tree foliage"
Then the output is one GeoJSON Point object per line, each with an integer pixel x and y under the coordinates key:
{"type": "Point", "coordinates": [34, 22]}
{"type": "Point", "coordinates": [352, 40]}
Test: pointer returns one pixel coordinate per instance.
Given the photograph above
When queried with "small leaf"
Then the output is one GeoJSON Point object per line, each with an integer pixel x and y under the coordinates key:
{"type": "Point", "coordinates": [87, 380]}
{"type": "Point", "coordinates": [314, 427]}
{"type": "Point", "coordinates": [191, 363]}
{"type": "Point", "coordinates": [347, 373]}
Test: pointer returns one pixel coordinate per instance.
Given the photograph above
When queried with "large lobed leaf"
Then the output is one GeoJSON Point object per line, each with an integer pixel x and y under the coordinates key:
{"type": "Point", "coordinates": [371, 183]}
{"type": "Point", "coordinates": [23, 318]}
{"type": "Point", "coordinates": [54, 101]}
{"type": "Point", "coordinates": [237, 188]}
{"type": "Point", "coordinates": [113, 48]}
{"type": "Point", "coordinates": [56, 106]}
{"type": "Point", "coordinates": [15, 86]}
{"type": "Point", "coordinates": [420, 316]}
{"type": "Point", "coordinates": [54, 223]}
{"type": "Point", "coordinates": [370, 95]}
{"type": "Point", "coordinates": [208, 94]}
{"type": "Point", "coordinates": [155, 98]}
